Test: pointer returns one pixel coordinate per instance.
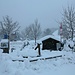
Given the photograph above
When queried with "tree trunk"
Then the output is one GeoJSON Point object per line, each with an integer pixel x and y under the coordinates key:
{"type": "Point", "coordinates": [72, 34]}
{"type": "Point", "coordinates": [8, 43]}
{"type": "Point", "coordinates": [35, 40]}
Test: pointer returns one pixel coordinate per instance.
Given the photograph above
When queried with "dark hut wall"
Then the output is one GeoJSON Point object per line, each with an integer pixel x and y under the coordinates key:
{"type": "Point", "coordinates": [50, 44]}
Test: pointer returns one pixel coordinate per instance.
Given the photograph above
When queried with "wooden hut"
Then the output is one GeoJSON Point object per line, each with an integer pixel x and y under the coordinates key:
{"type": "Point", "coordinates": [51, 42]}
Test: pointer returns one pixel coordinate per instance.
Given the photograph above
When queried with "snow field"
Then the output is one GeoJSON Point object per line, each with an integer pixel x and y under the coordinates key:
{"type": "Point", "coordinates": [64, 65]}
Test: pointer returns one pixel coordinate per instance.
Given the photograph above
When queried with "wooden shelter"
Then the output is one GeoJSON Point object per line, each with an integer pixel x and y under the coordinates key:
{"type": "Point", "coordinates": [51, 42]}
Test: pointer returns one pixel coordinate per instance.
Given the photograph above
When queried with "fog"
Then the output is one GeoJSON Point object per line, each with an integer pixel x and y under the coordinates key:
{"type": "Point", "coordinates": [48, 12]}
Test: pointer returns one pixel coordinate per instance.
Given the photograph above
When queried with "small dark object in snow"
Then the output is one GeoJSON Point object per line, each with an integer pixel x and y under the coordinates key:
{"type": "Point", "coordinates": [70, 46]}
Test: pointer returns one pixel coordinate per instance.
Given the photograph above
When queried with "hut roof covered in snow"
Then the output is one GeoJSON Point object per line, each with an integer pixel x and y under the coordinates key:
{"type": "Point", "coordinates": [50, 36]}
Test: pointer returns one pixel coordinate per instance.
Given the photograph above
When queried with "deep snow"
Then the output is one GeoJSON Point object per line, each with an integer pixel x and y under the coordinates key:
{"type": "Point", "coordinates": [64, 65]}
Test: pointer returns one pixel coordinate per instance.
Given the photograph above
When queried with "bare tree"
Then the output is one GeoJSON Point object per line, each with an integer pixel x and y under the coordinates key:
{"type": "Point", "coordinates": [69, 20]}
{"type": "Point", "coordinates": [33, 31]}
{"type": "Point", "coordinates": [65, 32]}
{"type": "Point", "coordinates": [8, 26]}
{"type": "Point", "coordinates": [47, 31]}
{"type": "Point", "coordinates": [26, 33]}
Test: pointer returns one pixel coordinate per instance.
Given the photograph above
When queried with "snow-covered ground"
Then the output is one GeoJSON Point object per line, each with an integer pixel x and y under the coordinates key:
{"type": "Point", "coordinates": [64, 65]}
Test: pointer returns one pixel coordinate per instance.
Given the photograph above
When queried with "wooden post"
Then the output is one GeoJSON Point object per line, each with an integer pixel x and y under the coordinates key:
{"type": "Point", "coordinates": [38, 46]}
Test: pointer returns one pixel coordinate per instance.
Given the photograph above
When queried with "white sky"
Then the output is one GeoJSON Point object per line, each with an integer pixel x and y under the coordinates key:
{"type": "Point", "coordinates": [26, 11]}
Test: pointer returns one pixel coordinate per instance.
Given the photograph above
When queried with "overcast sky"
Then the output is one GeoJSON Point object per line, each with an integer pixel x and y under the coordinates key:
{"type": "Point", "coordinates": [26, 11]}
